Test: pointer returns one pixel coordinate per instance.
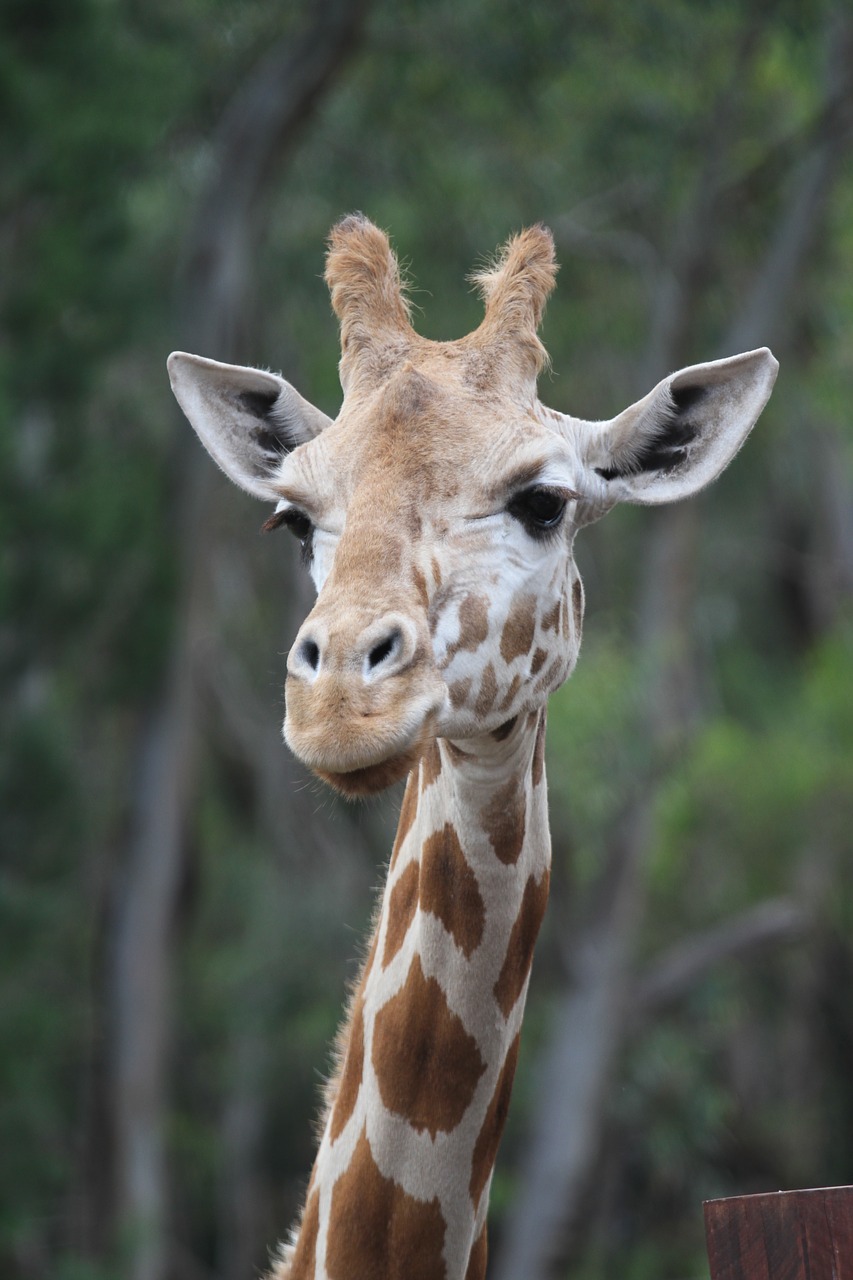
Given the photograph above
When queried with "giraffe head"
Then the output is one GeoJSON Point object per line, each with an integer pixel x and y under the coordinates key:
{"type": "Point", "coordinates": [437, 512]}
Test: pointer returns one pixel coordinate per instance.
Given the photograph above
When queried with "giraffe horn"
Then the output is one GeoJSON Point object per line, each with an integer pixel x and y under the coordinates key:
{"type": "Point", "coordinates": [515, 288]}
{"type": "Point", "coordinates": [364, 280]}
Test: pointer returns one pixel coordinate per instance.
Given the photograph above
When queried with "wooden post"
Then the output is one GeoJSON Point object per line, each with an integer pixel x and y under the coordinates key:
{"type": "Point", "coordinates": [785, 1235]}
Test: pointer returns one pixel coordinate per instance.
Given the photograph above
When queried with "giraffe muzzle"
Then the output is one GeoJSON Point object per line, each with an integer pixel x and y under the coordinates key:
{"type": "Point", "coordinates": [361, 701]}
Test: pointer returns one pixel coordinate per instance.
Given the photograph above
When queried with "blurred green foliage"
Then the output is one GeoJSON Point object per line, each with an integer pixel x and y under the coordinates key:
{"type": "Point", "coordinates": [452, 125]}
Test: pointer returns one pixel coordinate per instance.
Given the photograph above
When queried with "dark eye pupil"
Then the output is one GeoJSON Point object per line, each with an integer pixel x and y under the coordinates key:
{"type": "Point", "coordinates": [544, 506]}
{"type": "Point", "coordinates": [538, 508]}
{"type": "Point", "coordinates": [298, 523]}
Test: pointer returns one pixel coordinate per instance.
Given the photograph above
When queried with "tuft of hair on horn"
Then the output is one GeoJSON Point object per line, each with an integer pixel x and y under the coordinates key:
{"type": "Point", "coordinates": [363, 276]}
{"type": "Point", "coordinates": [517, 284]}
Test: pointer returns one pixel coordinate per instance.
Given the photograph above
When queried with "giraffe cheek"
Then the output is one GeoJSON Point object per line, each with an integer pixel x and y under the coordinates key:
{"type": "Point", "coordinates": [519, 628]}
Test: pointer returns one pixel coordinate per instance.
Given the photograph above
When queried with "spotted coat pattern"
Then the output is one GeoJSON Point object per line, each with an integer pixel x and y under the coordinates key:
{"type": "Point", "coordinates": [400, 1185]}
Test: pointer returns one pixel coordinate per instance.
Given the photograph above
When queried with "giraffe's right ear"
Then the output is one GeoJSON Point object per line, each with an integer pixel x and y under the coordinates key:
{"type": "Point", "coordinates": [247, 419]}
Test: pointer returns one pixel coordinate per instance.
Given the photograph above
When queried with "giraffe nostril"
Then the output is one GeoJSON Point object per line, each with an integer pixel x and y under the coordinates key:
{"type": "Point", "coordinates": [309, 652]}
{"type": "Point", "coordinates": [384, 650]}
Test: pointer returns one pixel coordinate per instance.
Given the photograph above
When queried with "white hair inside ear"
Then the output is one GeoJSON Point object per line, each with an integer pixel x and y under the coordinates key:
{"type": "Point", "coordinates": [247, 419]}
{"type": "Point", "coordinates": [677, 439]}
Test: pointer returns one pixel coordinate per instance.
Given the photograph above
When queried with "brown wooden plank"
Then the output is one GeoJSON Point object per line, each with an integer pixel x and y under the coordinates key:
{"type": "Point", "coordinates": [783, 1235]}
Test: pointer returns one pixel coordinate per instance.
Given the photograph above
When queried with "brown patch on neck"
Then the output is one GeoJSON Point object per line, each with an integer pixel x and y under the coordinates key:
{"type": "Point", "coordinates": [352, 1073]}
{"type": "Point", "coordinates": [349, 1052]}
{"type": "Point", "coordinates": [476, 1269]}
{"type": "Point", "coordinates": [408, 809]}
{"type": "Point", "coordinates": [401, 912]}
{"type": "Point", "coordinates": [376, 1229]}
{"type": "Point", "coordinates": [519, 955]}
{"type": "Point", "coordinates": [519, 628]}
{"type": "Point", "coordinates": [427, 1066]}
{"type": "Point", "coordinates": [304, 1255]}
{"type": "Point", "coordinates": [448, 889]}
{"type": "Point", "coordinates": [488, 1139]}
{"type": "Point", "coordinates": [503, 822]}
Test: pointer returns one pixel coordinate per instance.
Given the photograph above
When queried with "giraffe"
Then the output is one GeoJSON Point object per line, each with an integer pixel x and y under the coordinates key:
{"type": "Point", "coordinates": [437, 514]}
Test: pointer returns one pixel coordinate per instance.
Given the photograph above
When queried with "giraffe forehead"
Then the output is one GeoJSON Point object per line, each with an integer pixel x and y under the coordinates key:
{"type": "Point", "coordinates": [426, 441]}
{"type": "Point", "coordinates": [416, 430]}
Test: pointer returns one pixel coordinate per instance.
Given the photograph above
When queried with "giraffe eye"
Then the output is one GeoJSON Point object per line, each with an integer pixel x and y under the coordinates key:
{"type": "Point", "coordinates": [299, 525]}
{"type": "Point", "coordinates": [293, 519]}
{"type": "Point", "coordinates": [539, 509]}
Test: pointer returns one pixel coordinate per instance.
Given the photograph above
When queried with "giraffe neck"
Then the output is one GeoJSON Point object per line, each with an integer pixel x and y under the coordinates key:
{"type": "Point", "coordinates": [400, 1185]}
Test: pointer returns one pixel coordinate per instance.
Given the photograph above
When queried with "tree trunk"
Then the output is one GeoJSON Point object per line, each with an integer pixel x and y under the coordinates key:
{"type": "Point", "coordinates": [260, 127]}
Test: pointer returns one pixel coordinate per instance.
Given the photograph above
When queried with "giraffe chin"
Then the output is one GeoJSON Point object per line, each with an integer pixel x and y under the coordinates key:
{"type": "Point", "coordinates": [365, 766]}
{"type": "Point", "coordinates": [373, 778]}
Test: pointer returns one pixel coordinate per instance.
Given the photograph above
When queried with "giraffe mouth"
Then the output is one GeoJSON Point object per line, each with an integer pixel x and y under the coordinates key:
{"type": "Point", "coordinates": [372, 778]}
{"type": "Point", "coordinates": [357, 753]}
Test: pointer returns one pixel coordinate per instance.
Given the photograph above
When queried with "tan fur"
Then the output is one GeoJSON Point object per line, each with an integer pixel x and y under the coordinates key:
{"type": "Point", "coordinates": [515, 289]}
{"type": "Point", "coordinates": [367, 297]}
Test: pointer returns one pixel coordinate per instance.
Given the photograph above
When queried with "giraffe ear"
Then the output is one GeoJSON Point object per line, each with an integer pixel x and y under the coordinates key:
{"type": "Point", "coordinates": [247, 419]}
{"type": "Point", "coordinates": [679, 438]}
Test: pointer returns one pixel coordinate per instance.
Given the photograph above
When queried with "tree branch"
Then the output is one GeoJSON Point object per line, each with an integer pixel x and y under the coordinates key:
{"type": "Point", "coordinates": [678, 971]}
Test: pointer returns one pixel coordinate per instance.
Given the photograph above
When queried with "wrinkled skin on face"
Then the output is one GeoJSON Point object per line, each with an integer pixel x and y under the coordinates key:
{"type": "Point", "coordinates": [438, 510]}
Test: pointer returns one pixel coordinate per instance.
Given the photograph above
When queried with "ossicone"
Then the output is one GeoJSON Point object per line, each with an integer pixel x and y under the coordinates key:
{"type": "Point", "coordinates": [516, 286]}
{"type": "Point", "coordinates": [364, 280]}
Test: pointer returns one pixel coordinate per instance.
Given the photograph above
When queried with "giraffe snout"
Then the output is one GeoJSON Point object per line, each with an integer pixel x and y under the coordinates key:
{"type": "Point", "coordinates": [362, 695]}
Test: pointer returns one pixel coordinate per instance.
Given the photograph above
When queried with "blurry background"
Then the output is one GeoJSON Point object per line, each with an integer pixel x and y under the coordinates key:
{"type": "Point", "coordinates": [180, 905]}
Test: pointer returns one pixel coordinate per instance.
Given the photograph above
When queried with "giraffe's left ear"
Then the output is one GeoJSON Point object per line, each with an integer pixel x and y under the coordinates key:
{"type": "Point", "coordinates": [247, 419]}
{"type": "Point", "coordinates": [681, 435]}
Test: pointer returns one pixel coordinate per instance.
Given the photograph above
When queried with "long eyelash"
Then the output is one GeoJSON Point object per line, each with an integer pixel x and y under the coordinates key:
{"type": "Point", "coordinates": [275, 521]}
{"type": "Point", "coordinates": [306, 545]}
